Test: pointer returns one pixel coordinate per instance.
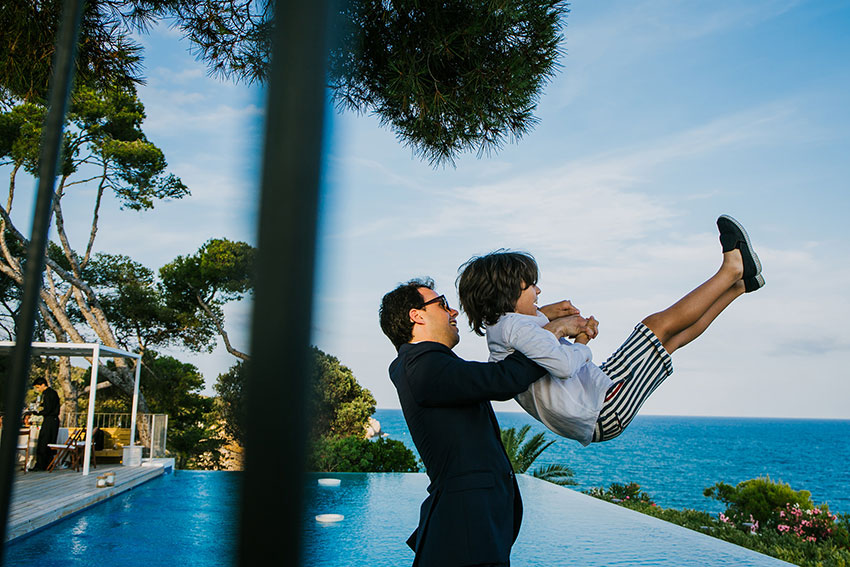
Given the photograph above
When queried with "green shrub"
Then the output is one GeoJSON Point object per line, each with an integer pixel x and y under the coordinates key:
{"type": "Point", "coordinates": [758, 501]}
{"type": "Point", "coordinates": [625, 493]}
{"type": "Point", "coordinates": [355, 454]}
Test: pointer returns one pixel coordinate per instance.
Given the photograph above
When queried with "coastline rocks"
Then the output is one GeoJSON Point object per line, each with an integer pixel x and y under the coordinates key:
{"type": "Point", "coordinates": [373, 428]}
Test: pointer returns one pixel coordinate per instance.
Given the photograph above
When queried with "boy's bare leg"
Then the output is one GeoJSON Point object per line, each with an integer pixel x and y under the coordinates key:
{"type": "Point", "coordinates": [682, 338]}
{"type": "Point", "coordinates": [701, 306]}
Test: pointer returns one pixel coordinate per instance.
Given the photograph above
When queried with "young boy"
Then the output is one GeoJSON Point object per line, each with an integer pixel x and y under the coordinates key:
{"type": "Point", "coordinates": [578, 399]}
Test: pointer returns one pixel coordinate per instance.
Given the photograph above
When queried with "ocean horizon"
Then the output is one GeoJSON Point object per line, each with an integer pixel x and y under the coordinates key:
{"type": "Point", "coordinates": [674, 458]}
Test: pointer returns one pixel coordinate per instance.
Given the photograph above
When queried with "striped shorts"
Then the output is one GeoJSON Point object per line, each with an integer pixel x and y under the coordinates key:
{"type": "Point", "coordinates": [638, 367]}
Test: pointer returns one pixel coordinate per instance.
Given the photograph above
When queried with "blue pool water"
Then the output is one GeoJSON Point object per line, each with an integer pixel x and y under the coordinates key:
{"type": "Point", "coordinates": [186, 518]}
{"type": "Point", "coordinates": [675, 458]}
{"type": "Point", "coordinates": [560, 527]}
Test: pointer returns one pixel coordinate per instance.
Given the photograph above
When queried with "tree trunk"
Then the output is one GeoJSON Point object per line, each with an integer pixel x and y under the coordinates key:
{"type": "Point", "coordinates": [69, 390]}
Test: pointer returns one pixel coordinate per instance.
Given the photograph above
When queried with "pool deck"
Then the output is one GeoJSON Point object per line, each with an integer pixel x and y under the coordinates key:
{"type": "Point", "coordinates": [41, 498]}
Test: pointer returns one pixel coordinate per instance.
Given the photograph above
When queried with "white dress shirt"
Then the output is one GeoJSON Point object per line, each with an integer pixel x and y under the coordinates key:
{"type": "Point", "coordinates": [569, 398]}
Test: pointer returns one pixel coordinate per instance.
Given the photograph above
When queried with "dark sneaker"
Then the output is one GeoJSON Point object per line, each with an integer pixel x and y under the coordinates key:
{"type": "Point", "coordinates": [732, 236]}
{"type": "Point", "coordinates": [752, 284]}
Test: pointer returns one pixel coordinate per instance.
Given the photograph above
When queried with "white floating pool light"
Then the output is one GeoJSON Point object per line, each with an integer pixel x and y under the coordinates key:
{"type": "Point", "coordinates": [329, 518]}
{"type": "Point", "coordinates": [329, 482]}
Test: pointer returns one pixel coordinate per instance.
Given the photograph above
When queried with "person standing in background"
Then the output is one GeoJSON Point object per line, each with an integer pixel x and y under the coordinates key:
{"type": "Point", "coordinates": [50, 425]}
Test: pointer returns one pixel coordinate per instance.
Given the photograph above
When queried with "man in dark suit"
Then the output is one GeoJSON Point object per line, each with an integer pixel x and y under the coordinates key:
{"type": "Point", "coordinates": [50, 426]}
{"type": "Point", "coordinates": [473, 512]}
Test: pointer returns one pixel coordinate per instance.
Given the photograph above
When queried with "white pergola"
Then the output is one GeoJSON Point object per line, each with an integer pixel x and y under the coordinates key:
{"type": "Point", "coordinates": [95, 351]}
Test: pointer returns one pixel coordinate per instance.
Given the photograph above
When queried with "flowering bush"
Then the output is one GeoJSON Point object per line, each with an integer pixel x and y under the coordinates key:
{"type": "Point", "coordinates": [814, 524]}
{"type": "Point", "coordinates": [736, 519]}
{"type": "Point", "coordinates": [757, 502]}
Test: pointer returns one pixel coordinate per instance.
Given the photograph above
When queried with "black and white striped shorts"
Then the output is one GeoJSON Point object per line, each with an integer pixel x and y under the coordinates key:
{"type": "Point", "coordinates": [638, 367]}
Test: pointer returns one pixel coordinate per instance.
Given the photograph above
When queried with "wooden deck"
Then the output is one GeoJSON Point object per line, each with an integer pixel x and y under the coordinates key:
{"type": "Point", "coordinates": [41, 498]}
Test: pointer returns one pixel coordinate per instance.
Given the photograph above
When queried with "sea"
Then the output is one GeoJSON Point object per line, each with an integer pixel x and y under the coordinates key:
{"type": "Point", "coordinates": [674, 459]}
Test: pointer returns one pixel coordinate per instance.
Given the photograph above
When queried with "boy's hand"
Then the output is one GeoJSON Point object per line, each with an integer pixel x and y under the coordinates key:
{"type": "Point", "coordinates": [560, 309]}
{"type": "Point", "coordinates": [581, 339]}
{"type": "Point", "coordinates": [567, 326]}
{"type": "Point", "coordinates": [592, 328]}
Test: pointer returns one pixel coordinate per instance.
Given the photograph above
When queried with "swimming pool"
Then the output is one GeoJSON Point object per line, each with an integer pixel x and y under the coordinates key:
{"type": "Point", "coordinates": [190, 519]}
{"type": "Point", "coordinates": [560, 527]}
{"type": "Point", "coordinates": [186, 518]}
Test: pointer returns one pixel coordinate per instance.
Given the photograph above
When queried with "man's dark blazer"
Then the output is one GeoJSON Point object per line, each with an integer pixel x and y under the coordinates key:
{"type": "Point", "coordinates": [473, 511]}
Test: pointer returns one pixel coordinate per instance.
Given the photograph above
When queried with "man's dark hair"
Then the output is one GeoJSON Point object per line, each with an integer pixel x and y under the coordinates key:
{"type": "Point", "coordinates": [489, 286]}
{"type": "Point", "coordinates": [40, 382]}
{"type": "Point", "coordinates": [395, 310]}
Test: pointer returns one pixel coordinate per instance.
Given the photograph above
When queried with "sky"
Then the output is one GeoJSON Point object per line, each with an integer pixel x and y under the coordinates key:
{"type": "Point", "coordinates": [662, 116]}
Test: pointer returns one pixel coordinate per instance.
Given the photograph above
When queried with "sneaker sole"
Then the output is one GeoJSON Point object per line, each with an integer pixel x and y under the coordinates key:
{"type": "Point", "coordinates": [754, 283]}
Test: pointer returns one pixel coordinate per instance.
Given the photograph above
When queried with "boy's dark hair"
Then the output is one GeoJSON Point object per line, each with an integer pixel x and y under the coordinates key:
{"type": "Point", "coordinates": [40, 382]}
{"type": "Point", "coordinates": [489, 286]}
{"type": "Point", "coordinates": [395, 310]}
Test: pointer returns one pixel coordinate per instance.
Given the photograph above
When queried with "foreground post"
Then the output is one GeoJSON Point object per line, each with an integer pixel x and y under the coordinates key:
{"type": "Point", "coordinates": [51, 143]}
{"type": "Point", "coordinates": [279, 369]}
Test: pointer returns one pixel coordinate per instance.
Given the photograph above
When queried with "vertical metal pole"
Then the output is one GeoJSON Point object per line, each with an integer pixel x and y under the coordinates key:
{"type": "Point", "coordinates": [51, 144]}
{"type": "Point", "coordinates": [95, 364]}
{"type": "Point", "coordinates": [277, 384]}
{"type": "Point", "coordinates": [135, 402]}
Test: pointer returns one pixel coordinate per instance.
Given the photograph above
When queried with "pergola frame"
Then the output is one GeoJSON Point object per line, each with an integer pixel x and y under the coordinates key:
{"type": "Point", "coordinates": [95, 351]}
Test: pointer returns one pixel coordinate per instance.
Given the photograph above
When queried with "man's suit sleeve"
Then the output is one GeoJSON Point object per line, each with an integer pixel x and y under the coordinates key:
{"type": "Point", "coordinates": [438, 378]}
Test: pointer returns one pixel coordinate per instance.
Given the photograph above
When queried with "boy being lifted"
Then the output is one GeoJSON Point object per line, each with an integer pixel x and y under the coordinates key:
{"type": "Point", "coordinates": [578, 399]}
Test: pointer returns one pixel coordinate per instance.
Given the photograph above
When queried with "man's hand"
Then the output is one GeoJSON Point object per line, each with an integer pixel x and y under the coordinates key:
{"type": "Point", "coordinates": [567, 326]}
{"type": "Point", "coordinates": [560, 309]}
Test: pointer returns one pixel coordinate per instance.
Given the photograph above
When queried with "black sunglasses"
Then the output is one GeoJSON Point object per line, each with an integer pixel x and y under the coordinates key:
{"type": "Point", "coordinates": [444, 303]}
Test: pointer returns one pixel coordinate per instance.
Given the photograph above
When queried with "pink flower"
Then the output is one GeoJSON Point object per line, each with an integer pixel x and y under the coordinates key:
{"type": "Point", "coordinates": [811, 538]}
{"type": "Point", "coordinates": [783, 528]}
{"type": "Point", "coordinates": [781, 514]}
{"type": "Point", "coordinates": [754, 528]}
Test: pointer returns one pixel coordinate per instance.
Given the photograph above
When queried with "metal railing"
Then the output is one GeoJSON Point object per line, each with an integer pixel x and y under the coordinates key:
{"type": "Point", "coordinates": [102, 419]}
{"type": "Point", "coordinates": [157, 423]}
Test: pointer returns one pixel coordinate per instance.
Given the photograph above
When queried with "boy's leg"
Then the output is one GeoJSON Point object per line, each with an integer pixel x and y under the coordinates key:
{"type": "Point", "coordinates": [682, 338]}
{"type": "Point", "coordinates": [643, 362]}
{"type": "Point", "coordinates": [698, 303]}
{"type": "Point", "coordinates": [700, 307]}
{"type": "Point", "coordinates": [740, 272]}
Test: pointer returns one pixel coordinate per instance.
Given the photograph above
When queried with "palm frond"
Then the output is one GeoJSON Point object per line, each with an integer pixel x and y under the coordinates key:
{"type": "Point", "coordinates": [561, 475]}
{"type": "Point", "coordinates": [532, 449]}
{"type": "Point", "coordinates": [522, 453]}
